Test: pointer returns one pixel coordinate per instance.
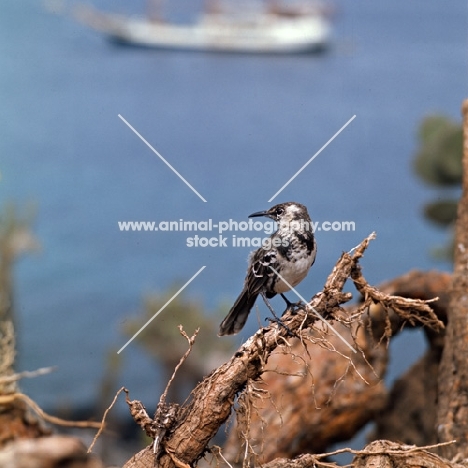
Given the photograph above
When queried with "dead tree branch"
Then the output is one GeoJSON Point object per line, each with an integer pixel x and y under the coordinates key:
{"type": "Point", "coordinates": [453, 371]}
{"type": "Point", "coordinates": [380, 453]}
{"type": "Point", "coordinates": [212, 400]}
{"type": "Point", "coordinates": [317, 393]}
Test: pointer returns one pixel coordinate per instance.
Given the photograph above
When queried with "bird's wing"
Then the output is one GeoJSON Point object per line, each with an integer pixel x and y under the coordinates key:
{"type": "Point", "coordinates": [260, 272]}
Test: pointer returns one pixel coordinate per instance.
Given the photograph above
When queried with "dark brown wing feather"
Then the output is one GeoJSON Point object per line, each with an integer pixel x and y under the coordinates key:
{"type": "Point", "coordinates": [259, 274]}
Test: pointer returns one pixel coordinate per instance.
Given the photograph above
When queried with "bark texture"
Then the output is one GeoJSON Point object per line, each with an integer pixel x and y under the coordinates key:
{"type": "Point", "coordinates": [410, 414]}
{"type": "Point", "coordinates": [453, 372]}
{"type": "Point", "coordinates": [186, 441]}
{"type": "Point", "coordinates": [310, 400]}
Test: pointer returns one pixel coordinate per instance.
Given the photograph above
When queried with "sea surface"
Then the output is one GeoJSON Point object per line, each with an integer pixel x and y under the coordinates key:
{"type": "Point", "coordinates": [237, 128]}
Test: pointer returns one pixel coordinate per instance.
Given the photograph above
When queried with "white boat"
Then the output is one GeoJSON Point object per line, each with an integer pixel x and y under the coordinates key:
{"type": "Point", "coordinates": [270, 31]}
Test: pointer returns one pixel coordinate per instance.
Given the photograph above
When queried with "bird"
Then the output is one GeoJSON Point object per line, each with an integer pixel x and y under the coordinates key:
{"type": "Point", "coordinates": [290, 251]}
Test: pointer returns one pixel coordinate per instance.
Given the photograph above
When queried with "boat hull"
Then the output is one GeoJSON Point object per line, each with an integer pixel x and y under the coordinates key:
{"type": "Point", "coordinates": [265, 33]}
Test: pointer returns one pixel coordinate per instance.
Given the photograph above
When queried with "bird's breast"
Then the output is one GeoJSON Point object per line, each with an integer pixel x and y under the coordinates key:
{"type": "Point", "coordinates": [293, 271]}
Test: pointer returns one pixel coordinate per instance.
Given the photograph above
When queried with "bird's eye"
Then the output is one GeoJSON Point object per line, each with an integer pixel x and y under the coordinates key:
{"type": "Point", "coordinates": [279, 211]}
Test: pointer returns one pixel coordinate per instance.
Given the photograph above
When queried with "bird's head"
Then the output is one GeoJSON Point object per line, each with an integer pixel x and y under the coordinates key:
{"type": "Point", "coordinates": [285, 213]}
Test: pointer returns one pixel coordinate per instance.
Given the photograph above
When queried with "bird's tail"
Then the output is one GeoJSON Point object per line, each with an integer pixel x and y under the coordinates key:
{"type": "Point", "coordinates": [238, 314]}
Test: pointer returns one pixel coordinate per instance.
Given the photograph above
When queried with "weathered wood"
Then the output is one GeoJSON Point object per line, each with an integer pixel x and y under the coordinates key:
{"type": "Point", "coordinates": [453, 372]}
{"type": "Point", "coordinates": [48, 452]}
{"type": "Point", "coordinates": [385, 454]}
{"type": "Point", "coordinates": [302, 409]}
{"type": "Point", "coordinates": [310, 397]}
{"type": "Point", "coordinates": [410, 415]}
{"type": "Point", "coordinates": [378, 454]}
{"type": "Point", "coordinates": [212, 400]}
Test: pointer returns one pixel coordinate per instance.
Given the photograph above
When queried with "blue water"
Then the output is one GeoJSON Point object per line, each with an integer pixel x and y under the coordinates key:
{"type": "Point", "coordinates": [237, 128]}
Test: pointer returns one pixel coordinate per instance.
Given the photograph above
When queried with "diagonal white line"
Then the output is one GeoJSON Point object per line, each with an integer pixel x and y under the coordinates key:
{"type": "Point", "coordinates": [162, 159]}
{"type": "Point", "coordinates": [312, 158]}
{"type": "Point", "coordinates": [161, 309]}
{"type": "Point", "coordinates": [313, 310]}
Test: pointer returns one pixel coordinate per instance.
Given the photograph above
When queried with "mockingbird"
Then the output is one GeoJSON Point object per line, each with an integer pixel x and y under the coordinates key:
{"type": "Point", "coordinates": [290, 251]}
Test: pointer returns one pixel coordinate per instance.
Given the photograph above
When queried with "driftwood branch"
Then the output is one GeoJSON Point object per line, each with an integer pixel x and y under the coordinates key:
{"type": "Point", "coordinates": [211, 402]}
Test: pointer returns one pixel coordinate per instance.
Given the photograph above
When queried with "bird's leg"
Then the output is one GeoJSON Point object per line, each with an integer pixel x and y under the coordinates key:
{"type": "Point", "coordinates": [291, 305]}
{"type": "Point", "coordinates": [276, 319]}
{"type": "Point", "coordinates": [270, 308]}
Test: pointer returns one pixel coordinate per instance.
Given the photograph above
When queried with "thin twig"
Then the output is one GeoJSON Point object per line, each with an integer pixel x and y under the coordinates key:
{"type": "Point", "coordinates": [6, 399]}
{"type": "Point", "coordinates": [27, 374]}
{"type": "Point", "coordinates": [220, 453]}
{"type": "Point", "coordinates": [102, 424]}
{"type": "Point", "coordinates": [190, 340]}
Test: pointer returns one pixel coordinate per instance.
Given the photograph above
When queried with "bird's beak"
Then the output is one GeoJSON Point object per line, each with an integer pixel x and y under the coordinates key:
{"type": "Point", "coordinates": [258, 214]}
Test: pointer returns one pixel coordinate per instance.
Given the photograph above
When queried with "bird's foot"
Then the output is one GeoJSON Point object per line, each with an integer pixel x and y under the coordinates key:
{"type": "Point", "coordinates": [276, 319]}
{"type": "Point", "coordinates": [292, 306]}
{"type": "Point", "coordinates": [280, 323]}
